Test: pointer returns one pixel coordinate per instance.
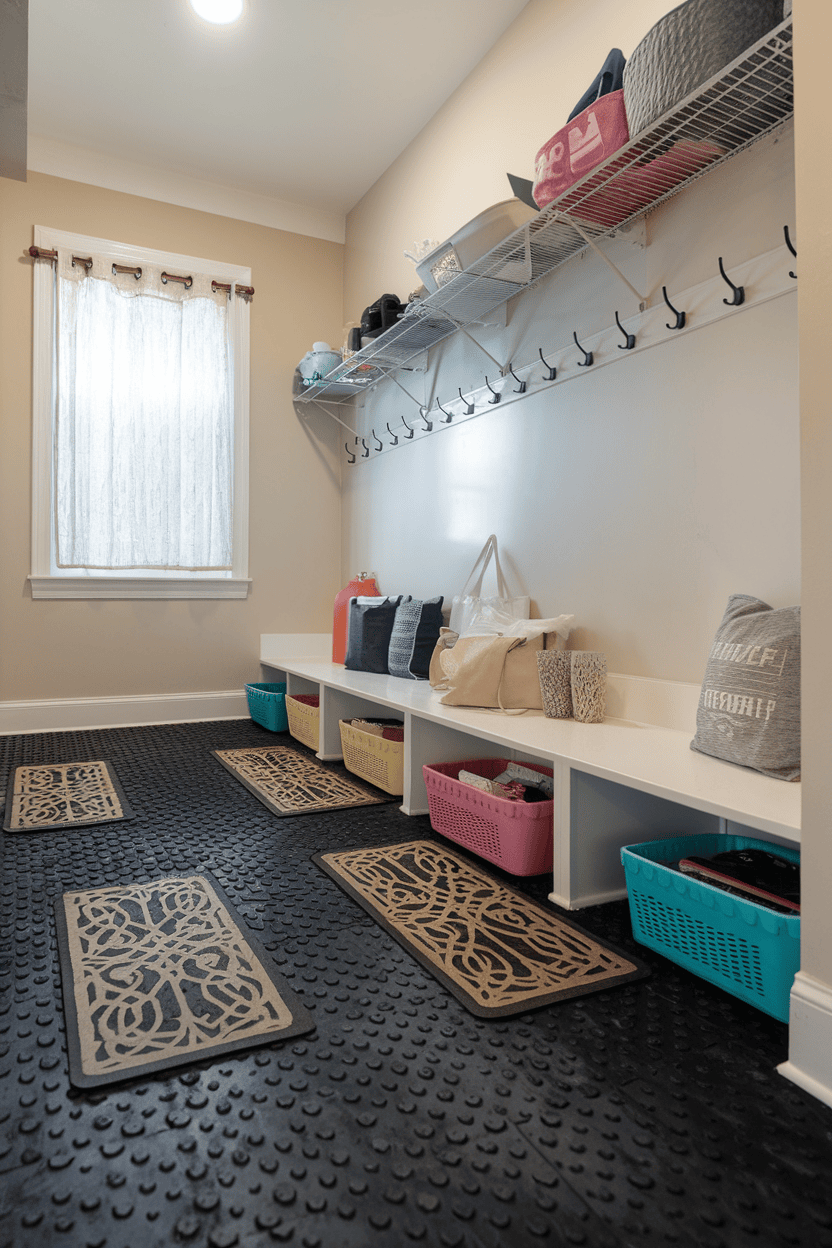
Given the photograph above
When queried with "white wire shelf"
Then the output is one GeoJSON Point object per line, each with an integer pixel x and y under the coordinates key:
{"type": "Point", "coordinates": [747, 100]}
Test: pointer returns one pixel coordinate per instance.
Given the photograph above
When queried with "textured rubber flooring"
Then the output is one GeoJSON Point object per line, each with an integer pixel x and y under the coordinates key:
{"type": "Point", "coordinates": [645, 1115]}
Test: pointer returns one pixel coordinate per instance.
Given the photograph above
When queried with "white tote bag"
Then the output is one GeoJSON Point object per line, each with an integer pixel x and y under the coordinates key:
{"type": "Point", "coordinates": [471, 603]}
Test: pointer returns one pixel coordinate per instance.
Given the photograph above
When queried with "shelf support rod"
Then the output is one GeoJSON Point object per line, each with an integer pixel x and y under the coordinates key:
{"type": "Point", "coordinates": [463, 330]}
{"type": "Point", "coordinates": [390, 377]}
{"type": "Point", "coordinates": [642, 299]}
{"type": "Point", "coordinates": [343, 424]}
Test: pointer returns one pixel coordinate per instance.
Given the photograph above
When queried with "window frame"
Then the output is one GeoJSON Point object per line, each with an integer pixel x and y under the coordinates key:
{"type": "Point", "coordinates": [46, 579]}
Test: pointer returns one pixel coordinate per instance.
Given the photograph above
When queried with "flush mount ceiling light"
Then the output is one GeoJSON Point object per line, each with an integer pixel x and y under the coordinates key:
{"type": "Point", "coordinates": [220, 12]}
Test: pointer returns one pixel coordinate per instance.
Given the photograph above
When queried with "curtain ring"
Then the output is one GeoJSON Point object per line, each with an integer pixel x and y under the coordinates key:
{"type": "Point", "coordinates": [187, 282]}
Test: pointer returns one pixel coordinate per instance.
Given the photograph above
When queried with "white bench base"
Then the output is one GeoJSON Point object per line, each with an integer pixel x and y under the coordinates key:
{"type": "Point", "coordinates": [627, 780]}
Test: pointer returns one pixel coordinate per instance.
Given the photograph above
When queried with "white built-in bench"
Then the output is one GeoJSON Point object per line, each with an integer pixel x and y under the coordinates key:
{"type": "Point", "coordinates": [631, 778]}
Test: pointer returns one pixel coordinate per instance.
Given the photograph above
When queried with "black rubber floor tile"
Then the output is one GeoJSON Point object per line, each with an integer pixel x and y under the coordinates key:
{"type": "Point", "coordinates": [646, 1115]}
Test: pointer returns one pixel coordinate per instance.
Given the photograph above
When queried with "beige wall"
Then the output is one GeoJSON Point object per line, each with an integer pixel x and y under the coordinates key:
{"type": "Point", "coordinates": [813, 32]}
{"type": "Point", "coordinates": [494, 124]}
{"type": "Point", "coordinates": [60, 649]}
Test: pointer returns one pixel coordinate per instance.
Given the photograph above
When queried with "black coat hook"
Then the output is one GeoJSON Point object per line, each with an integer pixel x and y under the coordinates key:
{"type": "Point", "coordinates": [350, 456]}
{"type": "Point", "coordinates": [629, 339]}
{"type": "Point", "coordinates": [496, 393]}
{"type": "Point", "coordinates": [521, 389]}
{"type": "Point", "coordinates": [448, 415]}
{"type": "Point", "coordinates": [681, 317]}
{"type": "Point", "coordinates": [410, 432]}
{"type": "Point", "coordinates": [739, 291]}
{"type": "Point", "coordinates": [791, 248]}
{"type": "Point", "coordinates": [469, 406]}
{"type": "Point", "coordinates": [588, 355]}
{"type": "Point", "coordinates": [428, 423]}
{"type": "Point", "coordinates": [376, 438]}
{"type": "Point", "coordinates": [395, 441]}
{"type": "Point", "coordinates": [366, 450]}
{"type": "Point", "coordinates": [551, 372]}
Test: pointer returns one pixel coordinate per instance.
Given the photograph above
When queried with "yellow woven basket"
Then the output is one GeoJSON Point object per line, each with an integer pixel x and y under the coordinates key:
{"type": "Point", "coordinates": [304, 722]}
{"type": "Point", "coordinates": [373, 758]}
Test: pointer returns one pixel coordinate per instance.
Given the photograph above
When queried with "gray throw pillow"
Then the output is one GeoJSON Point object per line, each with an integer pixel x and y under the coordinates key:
{"type": "Point", "coordinates": [749, 708]}
{"type": "Point", "coordinates": [415, 634]}
{"type": "Point", "coordinates": [370, 623]}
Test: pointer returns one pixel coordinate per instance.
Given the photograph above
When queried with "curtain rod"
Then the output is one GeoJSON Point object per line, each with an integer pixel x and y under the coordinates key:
{"type": "Point", "coordinates": [41, 253]}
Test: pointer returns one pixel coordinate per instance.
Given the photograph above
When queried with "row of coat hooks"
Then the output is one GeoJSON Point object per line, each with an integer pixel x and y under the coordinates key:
{"type": "Point", "coordinates": [736, 300]}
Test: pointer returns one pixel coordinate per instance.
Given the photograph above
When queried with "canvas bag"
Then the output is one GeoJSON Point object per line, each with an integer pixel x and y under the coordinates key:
{"type": "Point", "coordinates": [470, 602]}
{"type": "Point", "coordinates": [495, 672]}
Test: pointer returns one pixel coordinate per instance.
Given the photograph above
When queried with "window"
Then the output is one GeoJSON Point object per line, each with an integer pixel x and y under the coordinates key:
{"type": "Point", "coordinates": [140, 423]}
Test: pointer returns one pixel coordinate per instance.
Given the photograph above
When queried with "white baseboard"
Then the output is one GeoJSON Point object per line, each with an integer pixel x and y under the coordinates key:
{"type": "Point", "coordinates": [810, 1037]}
{"type": "Point", "coordinates": [71, 714]}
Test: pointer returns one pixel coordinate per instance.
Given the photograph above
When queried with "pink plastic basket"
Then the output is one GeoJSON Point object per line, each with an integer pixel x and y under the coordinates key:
{"type": "Point", "coordinates": [517, 836]}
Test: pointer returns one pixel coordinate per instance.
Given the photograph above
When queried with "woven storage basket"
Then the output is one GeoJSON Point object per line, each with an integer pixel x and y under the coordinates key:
{"type": "Point", "coordinates": [373, 758]}
{"type": "Point", "coordinates": [517, 836]}
{"type": "Point", "coordinates": [304, 715]}
{"type": "Point", "coordinates": [267, 705]}
{"type": "Point", "coordinates": [688, 46]}
{"type": "Point", "coordinates": [751, 951]}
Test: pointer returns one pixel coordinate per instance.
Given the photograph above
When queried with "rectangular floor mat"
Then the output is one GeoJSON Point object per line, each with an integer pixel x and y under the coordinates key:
{"type": "Point", "coordinates": [157, 975]}
{"type": "Point", "coordinates": [63, 795]}
{"type": "Point", "coordinates": [495, 949]}
{"type": "Point", "coordinates": [291, 783]}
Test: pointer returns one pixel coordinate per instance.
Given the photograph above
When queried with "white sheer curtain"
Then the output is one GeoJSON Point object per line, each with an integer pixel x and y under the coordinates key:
{"type": "Point", "coordinates": [145, 421]}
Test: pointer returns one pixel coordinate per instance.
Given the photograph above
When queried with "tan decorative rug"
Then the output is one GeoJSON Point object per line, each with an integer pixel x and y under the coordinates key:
{"type": "Point", "coordinates": [157, 975]}
{"type": "Point", "coordinates": [291, 783]}
{"type": "Point", "coordinates": [63, 795]}
{"type": "Point", "coordinates": [498, 951]}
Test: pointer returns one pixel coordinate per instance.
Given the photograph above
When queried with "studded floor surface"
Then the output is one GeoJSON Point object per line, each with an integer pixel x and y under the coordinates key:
{"type": "Point", "coordinates": [645, 1115]}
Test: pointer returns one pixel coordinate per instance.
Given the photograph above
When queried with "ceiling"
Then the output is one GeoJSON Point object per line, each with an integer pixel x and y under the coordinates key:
{"type": "Point", "coordinates": [305, 101]}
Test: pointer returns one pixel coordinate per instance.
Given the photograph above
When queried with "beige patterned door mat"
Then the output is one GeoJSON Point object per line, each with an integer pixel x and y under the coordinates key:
{"type": "Point", "coordinates": [63, 795]}
{"type": "Point", "coordinates": [161, 974]}
{"type": "Point", "coordinates": [291, 783]}
{"type": "Point", "coordinates": [498, 951]}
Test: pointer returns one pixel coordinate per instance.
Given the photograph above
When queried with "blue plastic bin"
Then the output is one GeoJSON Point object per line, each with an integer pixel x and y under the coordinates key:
{"type": "Point", "coordinates": [743, 947]}
{"type": "Point", "coordinates": [267, 706]}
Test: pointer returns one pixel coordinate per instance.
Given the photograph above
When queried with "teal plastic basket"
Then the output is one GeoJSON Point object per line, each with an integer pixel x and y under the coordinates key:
{"type": "Point", "coordinates": [267, 706]}
{"type": "Point", "coordinates": [746, 948]}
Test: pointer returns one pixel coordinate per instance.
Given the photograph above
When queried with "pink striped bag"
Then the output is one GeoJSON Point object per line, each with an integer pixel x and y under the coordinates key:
{"type": "Point", "coordinates": [583, 143]}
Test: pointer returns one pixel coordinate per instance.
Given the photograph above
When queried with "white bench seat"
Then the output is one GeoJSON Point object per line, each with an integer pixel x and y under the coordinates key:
{"type": "Point", "coordinates": [631, 778]}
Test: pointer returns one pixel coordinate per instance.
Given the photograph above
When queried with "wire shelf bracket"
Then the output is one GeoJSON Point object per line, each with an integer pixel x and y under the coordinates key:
{"type": "Point", "coordinates": [747, 100]}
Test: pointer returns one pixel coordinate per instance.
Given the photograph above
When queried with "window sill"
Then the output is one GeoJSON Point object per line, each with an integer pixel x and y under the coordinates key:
{"type": "Point", "coordinates": [138, 587]}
